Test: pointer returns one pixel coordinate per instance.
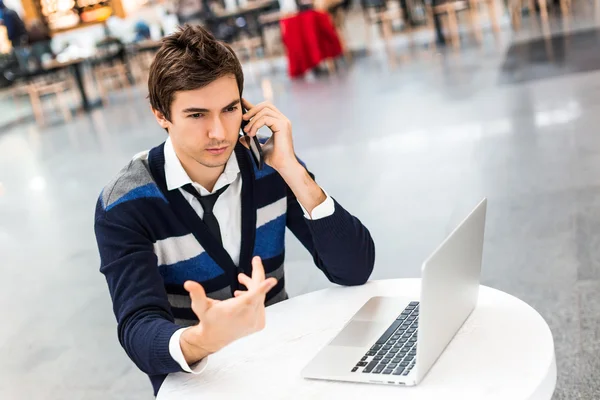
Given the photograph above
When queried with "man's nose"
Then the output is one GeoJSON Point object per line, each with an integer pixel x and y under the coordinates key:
{"type": "Point", "coordinates": [217, 130]}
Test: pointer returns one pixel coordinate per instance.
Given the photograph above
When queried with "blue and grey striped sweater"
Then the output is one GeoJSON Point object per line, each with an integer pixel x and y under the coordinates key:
{"type": "Point", "coordinates": [151, 241]}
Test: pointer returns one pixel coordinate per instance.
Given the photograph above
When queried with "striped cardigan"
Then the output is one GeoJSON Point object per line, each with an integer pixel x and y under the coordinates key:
{"type": "Point", "coordinates": [151, 241]}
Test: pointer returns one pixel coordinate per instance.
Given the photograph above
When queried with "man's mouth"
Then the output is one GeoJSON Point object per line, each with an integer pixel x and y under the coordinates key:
{"type": "Point", "coordinates": [217, 150]}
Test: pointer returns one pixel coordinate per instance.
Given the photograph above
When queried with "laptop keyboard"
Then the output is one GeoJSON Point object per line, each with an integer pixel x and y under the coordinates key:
{"type": "Point", "coordinates": [396, 350]}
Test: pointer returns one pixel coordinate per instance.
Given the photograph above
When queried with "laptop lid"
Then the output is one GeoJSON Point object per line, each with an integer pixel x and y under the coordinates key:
{"type": "Point", "coordinates": [449, 288]}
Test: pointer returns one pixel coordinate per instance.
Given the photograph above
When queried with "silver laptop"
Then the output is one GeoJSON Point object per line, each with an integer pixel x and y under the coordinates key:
{"type": "Point", "coordinates": [396, 341]}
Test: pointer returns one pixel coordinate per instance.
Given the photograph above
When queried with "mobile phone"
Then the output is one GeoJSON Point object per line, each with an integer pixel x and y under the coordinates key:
{"type": "Point", "coordinates": [255, 146]}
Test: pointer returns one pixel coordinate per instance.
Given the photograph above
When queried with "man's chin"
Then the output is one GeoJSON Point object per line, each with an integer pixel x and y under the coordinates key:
{"type": "Point", "coordinates": [215, 161]}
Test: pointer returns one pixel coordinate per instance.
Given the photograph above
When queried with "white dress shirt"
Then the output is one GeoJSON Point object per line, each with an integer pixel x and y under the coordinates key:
{"type": "Point", "coordinates": [228, 211]}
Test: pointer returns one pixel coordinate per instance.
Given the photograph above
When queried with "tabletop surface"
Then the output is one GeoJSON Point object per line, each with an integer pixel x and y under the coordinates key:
{"type": "Point", "coordinates": [504, 350]}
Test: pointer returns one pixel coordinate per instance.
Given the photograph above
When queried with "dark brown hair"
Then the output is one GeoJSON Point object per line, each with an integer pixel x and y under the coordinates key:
{"type": "Point", "coordinates": [189, 59]}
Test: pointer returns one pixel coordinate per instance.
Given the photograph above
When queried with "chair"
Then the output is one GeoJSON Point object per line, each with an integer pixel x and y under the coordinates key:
{"type": "Point", "coordinates": [248, 46]}
{"type": "Point", "coordinates": [516, 7]}
{"type": "Point", "coordinates": [109, 68]}
{"type": "Point", "coordinates": [271, 29]}
{"type": "Point", "coordinates": [141, 62]}
{"type": "Point", "coordinates": [55, 85]}
{"type": "Point", "coordinates": [448, 12]}
{"type": "Point", "coordinates": [374, 13]}
{"type": "Point", "coordinates": [384, 15]}
{"type": "Point", "coordinates": [474, 8]}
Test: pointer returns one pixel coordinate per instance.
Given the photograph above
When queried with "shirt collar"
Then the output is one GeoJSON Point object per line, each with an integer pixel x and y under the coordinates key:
{"type": "Point", "coordinates": [176, 177]}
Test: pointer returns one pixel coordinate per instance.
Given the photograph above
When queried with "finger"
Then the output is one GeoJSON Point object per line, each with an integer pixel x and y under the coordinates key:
{"type": "Point", "coordinates": [246, 281]}
{"type": "Point", "coordinates": [252, 111]}
{"type": "Point", "coordinates": [239, 293]}
{"type": "Point", "coordinates": [262, 113]}
{"type": "Point", "coordinates": [271, 122]}
{"type": "Point", "coordinates": [258, 270]}
{"type": "Point", "coordinates": [200, 303]}
{"type": "Point", "coordinates": [266, 286]}
{"type": "Point", "coordinates": [247, 105]}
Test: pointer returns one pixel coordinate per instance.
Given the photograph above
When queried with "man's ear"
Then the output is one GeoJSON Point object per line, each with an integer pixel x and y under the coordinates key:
{"type": "Point", "coordinates": [161, 119]}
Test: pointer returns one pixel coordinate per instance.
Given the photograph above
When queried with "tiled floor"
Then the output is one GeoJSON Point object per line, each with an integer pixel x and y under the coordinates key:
{"type": "Point", "coordinates": [408, 150]}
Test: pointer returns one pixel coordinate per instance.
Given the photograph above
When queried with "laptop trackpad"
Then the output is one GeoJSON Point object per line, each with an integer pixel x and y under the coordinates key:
{"type": "Point", "coordinates": [360, 333]}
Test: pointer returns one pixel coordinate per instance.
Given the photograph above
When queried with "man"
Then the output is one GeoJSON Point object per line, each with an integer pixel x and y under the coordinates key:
{"type": "Point", "coordinates": [191, 233]}
{"type": "Point", "coordinates": [17, 33]}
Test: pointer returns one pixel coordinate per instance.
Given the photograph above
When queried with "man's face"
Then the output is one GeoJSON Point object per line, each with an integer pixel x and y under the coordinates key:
{"type": "Point", "coordinates": [205, 123]}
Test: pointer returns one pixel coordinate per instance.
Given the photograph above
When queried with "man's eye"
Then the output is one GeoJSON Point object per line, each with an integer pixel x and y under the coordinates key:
{"type": "Point", "coordinates": [195, 115]}
{"type": "Point", "coordinates": [231, 109]}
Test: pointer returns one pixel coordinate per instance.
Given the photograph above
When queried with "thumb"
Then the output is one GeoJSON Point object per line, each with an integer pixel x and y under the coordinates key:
{"type": "Point", "coordinates": [200, 303]}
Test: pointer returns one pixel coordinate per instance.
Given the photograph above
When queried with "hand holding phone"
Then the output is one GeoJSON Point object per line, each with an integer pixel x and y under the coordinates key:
{"type": "Point", "coordinates": [278, 151]}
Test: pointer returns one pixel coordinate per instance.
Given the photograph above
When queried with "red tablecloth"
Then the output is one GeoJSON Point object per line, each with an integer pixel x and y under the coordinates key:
{"type": "Point", "coordinates": [309, 38]}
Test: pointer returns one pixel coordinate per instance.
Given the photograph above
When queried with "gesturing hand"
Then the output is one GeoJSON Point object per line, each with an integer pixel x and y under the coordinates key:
{"type": "Point", "coordinates": [222, 322]}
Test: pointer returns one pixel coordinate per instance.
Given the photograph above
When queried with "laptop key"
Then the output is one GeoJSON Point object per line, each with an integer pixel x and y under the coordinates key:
{"type": "Point", "coordinates": [394, 350]}
{"type": "Point", "coordinates": [386, 335]}
{"type": "Point", "coordinates": [404, 364]}
{"type": "Point", "coordinates": [378, 369]}
{"type": "Point", "coordinates": [362, 364]}
{"type": "Point", "coordinates": [398, 371]}
{"type": "Point", "coordinates": [371, 353]}
{"type": "Point", "coordinates": [413, 339]}
{"type": "Point", "coordinates": [354, 369]}
{"type": "Point", "coordinates": [387, 347]}
{"type": "Point", "coordinates": [413, 303]}
{"type": "Point", "coordinates": [370, 366]}
{"type": "Point", "coordinates": [388, 371]}
{"type": "Point", "coordinates": [395, 337]}
{"type": "Point", "coordinates": [376, 347]}
{"type": "Point", "coordinates": [377, 358]}
{"type": "Point", "coordinates": [364, 358]}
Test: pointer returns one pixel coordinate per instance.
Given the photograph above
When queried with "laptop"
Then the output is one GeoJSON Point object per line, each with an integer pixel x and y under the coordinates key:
{"type": "Point", "coordinates": [395, 341]}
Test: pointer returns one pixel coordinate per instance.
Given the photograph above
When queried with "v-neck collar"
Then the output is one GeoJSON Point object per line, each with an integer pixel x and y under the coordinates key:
{"type": "Point", "coordinates": [192, 221]}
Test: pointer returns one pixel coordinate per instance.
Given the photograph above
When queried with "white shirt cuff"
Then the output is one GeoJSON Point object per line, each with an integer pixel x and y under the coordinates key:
{"type": "Point", "coordinates": [325, 209]}
{"type": "Point", "coordinates": [177, 354]}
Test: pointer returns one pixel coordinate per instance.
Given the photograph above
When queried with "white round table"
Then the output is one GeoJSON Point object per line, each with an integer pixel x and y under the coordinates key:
{"type": "Point", "coordinates": [503, 351]}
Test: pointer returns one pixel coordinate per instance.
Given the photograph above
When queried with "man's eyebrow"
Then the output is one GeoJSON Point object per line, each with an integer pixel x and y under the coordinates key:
{"type": "Point", "coordinates": [205, 110]}
{"type": "Point", "coordinates": [233, 103]}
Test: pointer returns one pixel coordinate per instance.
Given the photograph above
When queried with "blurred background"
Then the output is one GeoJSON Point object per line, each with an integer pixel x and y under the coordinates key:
{"type": "Point", "coordinates": [407, 111]}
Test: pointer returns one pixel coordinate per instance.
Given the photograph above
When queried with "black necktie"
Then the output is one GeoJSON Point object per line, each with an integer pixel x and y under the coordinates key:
{"type": "Point", "coordinates": [208, 203]}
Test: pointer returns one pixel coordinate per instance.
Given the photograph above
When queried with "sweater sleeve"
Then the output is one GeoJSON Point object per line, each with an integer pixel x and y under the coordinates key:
{"type": "Point", "coordinates": [340, 244]}
{"type": "Point", "coordinates": [144, 318]}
